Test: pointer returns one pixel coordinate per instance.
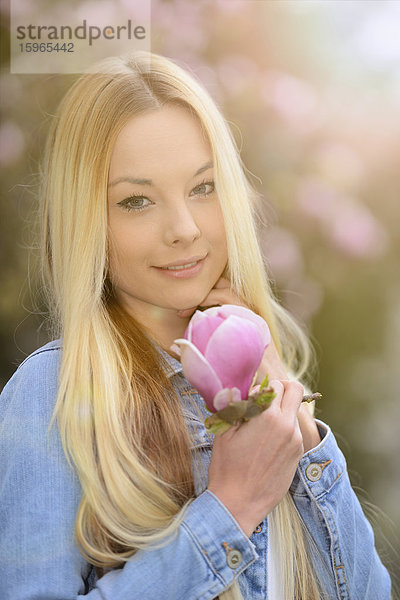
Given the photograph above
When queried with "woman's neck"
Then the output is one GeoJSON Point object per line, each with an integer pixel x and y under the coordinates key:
{"type": "Point", "coordinates": [166, 332]}
{"type": "Point", "coordinates": [163, 325]}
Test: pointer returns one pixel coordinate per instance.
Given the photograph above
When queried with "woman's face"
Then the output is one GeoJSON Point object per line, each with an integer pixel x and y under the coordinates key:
{"type": "Point", "coordinates": [167, 239]}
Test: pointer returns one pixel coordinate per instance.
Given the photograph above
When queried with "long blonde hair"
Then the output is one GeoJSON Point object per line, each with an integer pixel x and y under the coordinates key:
{"type": "Point", "coordinates": [116, 407]}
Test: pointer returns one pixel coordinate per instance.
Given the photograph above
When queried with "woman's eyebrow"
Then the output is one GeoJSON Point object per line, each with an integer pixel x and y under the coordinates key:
{"type": "Point", "coordinates": [140, 181]}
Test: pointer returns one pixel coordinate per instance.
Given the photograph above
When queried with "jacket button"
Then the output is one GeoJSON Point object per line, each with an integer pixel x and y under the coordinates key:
{"type": "Point", "coordinates": [314, 472]}
{"type": "Point", "coordinates": [233, 558]}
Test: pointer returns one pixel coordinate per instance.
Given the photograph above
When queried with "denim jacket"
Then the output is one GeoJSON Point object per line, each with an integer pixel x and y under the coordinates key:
{"type": "Point", "coordinates": [40, 494]}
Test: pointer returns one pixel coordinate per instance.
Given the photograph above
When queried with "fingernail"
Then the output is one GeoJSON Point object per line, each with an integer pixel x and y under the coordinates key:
{"type": "Point", "coordinates": [175, 348]}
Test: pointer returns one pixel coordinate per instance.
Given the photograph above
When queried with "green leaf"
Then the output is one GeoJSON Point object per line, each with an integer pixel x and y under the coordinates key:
{"type": "Point", "coordinates": [216, 425]}
{"type": "Point", "coordinates": [233, 412]}
{"type": "Point", "coordinates": [253, 410]}
{"type": "Point", "coordinates": [265, 382]}
{"type": "Point", "coordinates": [237, 413]}
{"type": "Point", "coordinates": [265, 398]}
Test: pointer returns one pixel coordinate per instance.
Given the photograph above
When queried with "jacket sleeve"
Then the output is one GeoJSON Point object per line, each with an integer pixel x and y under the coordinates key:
{"type": "Point", "coordinates": [39, 497]}
{"type": "Point", "coordinates": [342, 540]}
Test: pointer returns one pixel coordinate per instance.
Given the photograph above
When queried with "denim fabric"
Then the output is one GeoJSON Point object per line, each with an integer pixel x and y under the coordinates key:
{"type": "Point", "coordinates": [39, 496]}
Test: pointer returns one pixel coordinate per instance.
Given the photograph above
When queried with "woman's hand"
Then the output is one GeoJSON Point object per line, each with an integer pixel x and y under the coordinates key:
{"type": "Point", "coordinates": [253, 465]}
{"type": "Point", "coordinates": [220, 294]}
{"type": "Point", "coordinates": [271, 363]}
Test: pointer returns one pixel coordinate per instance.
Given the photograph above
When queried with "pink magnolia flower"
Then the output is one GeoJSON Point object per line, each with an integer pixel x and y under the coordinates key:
{"type": "Point", "coordinates": [221, 352]}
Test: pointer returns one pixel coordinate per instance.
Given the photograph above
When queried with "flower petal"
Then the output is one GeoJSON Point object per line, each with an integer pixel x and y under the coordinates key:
{"type": "Point", "coordinates": [225, 397]}
{"type": "Point", "coordinates": [199, 372]}
{"type": "Point", "coordinates": [203, 329]}
{"type": "Point", "coordinates": [195, 318]}
{"type": "Point", "coordinates": [225, 311]}
{"type": "Point", "coordinates": [235, 351]}
{"type": "Point", "coordinates": [245, 313]}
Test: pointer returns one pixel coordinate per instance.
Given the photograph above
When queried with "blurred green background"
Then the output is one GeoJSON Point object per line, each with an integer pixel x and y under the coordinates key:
{"type": "Point", "coordinates": [311, 90]}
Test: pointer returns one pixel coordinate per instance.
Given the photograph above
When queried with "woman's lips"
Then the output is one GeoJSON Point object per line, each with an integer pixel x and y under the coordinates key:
{"type": "Point", "coordinates": [182, 270]}
{"type": "Point", "coordinates": [181, 267]}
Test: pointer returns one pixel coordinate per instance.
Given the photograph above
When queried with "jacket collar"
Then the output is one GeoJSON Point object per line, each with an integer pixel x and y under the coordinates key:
{"type": "Point", "coordinates": [174, 366]}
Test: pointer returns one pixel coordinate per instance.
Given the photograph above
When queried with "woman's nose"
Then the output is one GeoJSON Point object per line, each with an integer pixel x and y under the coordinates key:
{"type": "Point", "coordinates": [180, 226]}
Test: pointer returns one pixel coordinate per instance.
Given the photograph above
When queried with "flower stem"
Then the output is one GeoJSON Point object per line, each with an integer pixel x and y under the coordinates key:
{"type": "Point", "coordinates": [312, 397]}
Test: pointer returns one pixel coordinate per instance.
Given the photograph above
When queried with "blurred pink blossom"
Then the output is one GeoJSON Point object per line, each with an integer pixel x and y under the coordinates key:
{"type": "Point", "coordinates": [235, 71]}
{"type": "Point", "coordinates": [283, 254]}
{"type": "Point", "coordinates": [138, 11]}
{"type": "Point", "coordinates": [304, 299]}
{"type": "Point", "coordinates": [97, 13]}
{"type": "Point", "coordinates": [183, 24]}
{"type": "Point", "coordinates": [293, 99]}
{"type": "Point", "coordinates": [162, 15]}
{"type": "Point", "coordinates": [358, 233]}
{"type": "Point", "coordinates": [5, 7]}
{"type": "Point", "coordinates": [301, 295]}
{"type": "Point", "coordinates": [20, 8]}
{"type": "Point", "coordinates": [349, 225]}
{"type": "Point", "coordinates": [316, 198]}
{"type": "Point", "coordinates": [232, 6]}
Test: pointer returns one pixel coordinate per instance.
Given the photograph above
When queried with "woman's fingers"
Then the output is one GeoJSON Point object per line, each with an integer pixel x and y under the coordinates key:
{"type": "Point", "coordinates": [220, 294]}
{"type": "Point", "coordinates": [253, 465]}
{"type": "Point", "coordinates": [278, 389]}
{"type": "Point", "coordinates": [289, 395]}
{"type": "Point", "coordinates": [222, 283]}
{"type": "Point", "coordinates": [292, 396]}
{"type": "Point", "coordinates": [272, 364]}
{"type": "Point", "coordinates": [187, 312]}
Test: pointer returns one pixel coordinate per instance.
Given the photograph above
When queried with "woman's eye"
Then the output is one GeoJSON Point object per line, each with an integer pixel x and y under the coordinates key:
{"type": "Point", "coordinates": [134, 202]}
{"type": "Point", "coordinates": [205, 188]}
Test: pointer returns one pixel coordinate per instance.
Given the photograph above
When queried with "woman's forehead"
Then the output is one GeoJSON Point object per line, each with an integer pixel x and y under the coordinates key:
{"type": "Point", "coordinates": [157, 141]}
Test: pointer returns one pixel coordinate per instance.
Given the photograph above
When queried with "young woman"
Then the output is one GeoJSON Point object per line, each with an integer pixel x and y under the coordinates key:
{"type": "Point", "coordinates": [111, 488]}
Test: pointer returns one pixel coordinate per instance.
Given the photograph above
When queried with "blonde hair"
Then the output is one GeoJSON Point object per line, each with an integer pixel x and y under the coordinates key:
{"type": "Point", "coordinates": [115, 405]}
